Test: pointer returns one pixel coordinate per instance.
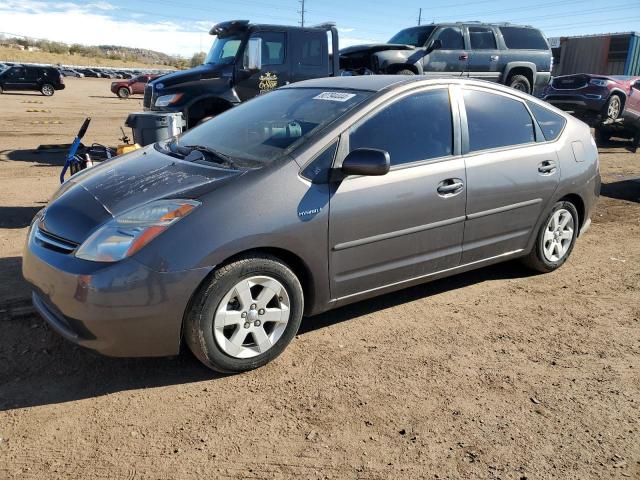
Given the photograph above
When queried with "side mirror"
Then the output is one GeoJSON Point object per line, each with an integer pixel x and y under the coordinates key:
{"type": "Point", "coordinates": [253, 54]}
{"type": "Point", "coordinates": [366, 161]}
{"type": "Point", "coordinates": [435, 45]}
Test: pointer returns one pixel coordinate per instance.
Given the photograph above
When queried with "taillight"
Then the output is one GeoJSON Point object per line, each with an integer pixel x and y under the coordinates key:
{"type": "Point", "coordinates": [61, 79]}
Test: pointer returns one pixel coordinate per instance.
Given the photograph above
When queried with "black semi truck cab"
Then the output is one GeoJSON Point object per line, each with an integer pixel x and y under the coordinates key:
{"type": "Point", "coordinates": [245, 60]}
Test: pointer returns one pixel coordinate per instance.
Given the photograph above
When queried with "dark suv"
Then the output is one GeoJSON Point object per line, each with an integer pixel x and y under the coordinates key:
{"type": "Point", "coordinates": [517, 56]}
{"type": "Point", "coordinates": [30, 77]}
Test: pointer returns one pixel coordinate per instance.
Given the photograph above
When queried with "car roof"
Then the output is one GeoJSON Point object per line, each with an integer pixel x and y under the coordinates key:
{"type": "Point", "coordinates": [372, 83]}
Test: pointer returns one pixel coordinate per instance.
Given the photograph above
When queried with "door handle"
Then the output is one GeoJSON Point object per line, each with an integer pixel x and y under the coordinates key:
{"type": "Point", "coordinates": [547, 167]}
{"type": "Point", "coordinates": [450, 187]}
{"type": "Point", "coordinates": [464, 56]}
{"type": "Point", "coordinates": [494, 58]}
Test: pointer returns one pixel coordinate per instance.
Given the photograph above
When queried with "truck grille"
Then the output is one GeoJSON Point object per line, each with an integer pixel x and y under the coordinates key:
{"type": "Point", "coordinates": [148, 92]}
{"type": "Point", "coordinates": [570, 83]}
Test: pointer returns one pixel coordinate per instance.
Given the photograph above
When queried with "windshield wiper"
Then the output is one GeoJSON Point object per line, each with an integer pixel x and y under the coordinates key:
{"type": "Point", "coordinates": [221, 157]}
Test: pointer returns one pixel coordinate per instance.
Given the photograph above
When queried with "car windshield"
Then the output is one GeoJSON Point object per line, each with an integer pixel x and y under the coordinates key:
{"type": "Point", "coordinates": [416, 36]}
{"type": "Point", "coordinates": [271, 126]}
{"type": "Point", "coordinates": [224, 50]}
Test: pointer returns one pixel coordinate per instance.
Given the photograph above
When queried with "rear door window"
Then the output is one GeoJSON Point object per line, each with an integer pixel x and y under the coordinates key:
{"type": "Point", "coordinates": [414, 128]}
{"type": "Point", "coordinates": [482, 38]}
{"type": "Point", "coordinates": [549, 122]}
{"type": "Point", "coordinates": [496, 121]}
{"type": "Point", "coordinates": [523, 38]}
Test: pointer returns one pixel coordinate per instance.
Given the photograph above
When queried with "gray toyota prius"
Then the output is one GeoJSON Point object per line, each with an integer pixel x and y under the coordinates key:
{"type": "Point", "coordinates": [315, 195]}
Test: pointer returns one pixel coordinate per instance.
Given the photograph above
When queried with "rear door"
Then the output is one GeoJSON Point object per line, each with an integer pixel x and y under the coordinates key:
{"type": "Point", "coordinates": [512, 173]}
{"type": "Point", "coordinates": [451, 59]}
{"type": "Point", "coordinates": [484, 56]}
{"type": "Point", "coordinates": [275, 66]}
{"type": "Point", "coordinates": [408, 223]}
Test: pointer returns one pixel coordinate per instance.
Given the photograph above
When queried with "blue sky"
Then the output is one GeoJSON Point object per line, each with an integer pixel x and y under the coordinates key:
{"type": "Point", "coordinates": [178, 27]}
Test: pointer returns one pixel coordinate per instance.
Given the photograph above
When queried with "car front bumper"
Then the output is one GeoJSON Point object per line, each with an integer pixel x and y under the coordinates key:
{"type": "Point", "coordinates": [122, 309]}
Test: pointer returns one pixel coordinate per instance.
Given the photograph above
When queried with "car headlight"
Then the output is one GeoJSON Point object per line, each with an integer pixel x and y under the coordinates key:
{"type": "Point", "coordinates": [166, 100]}
{"type": "Point", "coordinates": [127, 233]}
{"type": "Point", "coordinates": [599, 82]}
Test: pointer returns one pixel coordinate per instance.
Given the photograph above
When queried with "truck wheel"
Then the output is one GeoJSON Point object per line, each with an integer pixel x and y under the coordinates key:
{"type": "Point", "coordinates": [123, 92]}
{"type": "Point", "coordinates": [520, 83]}
{"type": "Point", "coordinates": [47, 90]}
{"type": "Point", "coordinates": [614, 107]}
{"type": "Point", "coordinates": [246, 316]}
{"type": "Point", "coordinates": [555, 239]}
{"type": "Point", "coordinates": [601, 136]}
{"type": "Point", "coordinates": [405, 71]}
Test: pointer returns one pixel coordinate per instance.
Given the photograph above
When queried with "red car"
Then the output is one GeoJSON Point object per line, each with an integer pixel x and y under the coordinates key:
{"type": "Point", "coordinates": [609, 103]}
{"type": "Point", "coordinates": [136, 85]}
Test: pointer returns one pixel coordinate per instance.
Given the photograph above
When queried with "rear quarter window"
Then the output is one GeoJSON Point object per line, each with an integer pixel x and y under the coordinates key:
{"type": "Point", "coordinates": [549, 122]}
{"type": "Point", "coordinates": [523, 38]}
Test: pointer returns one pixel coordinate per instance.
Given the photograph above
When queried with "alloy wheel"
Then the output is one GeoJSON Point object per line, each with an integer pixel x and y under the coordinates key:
{"type": "Point", "coordinates": [613, 111]}
{"type": "Point", "coordinates": [47, 90]}
{"type": "Point", "coordinates": [251, 317]}
{"type": "Point", "coordinates": [558, 235]}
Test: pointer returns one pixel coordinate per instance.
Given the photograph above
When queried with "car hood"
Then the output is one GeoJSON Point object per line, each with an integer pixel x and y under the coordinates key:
{"type": "Point", "coordinates": [97, 194]}
{"type": "Point", "coordinates": [374, 47]}
{"type": "Point", "coordinates": [201, 72]}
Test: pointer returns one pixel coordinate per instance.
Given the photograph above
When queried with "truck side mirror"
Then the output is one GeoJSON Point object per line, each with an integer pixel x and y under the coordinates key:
{"type": "Point", "coordinates": [366, 161]}
{"type": "Point", "coordinates": [435, 45]}
{"type": "Point", "coordinates": [253, 54]}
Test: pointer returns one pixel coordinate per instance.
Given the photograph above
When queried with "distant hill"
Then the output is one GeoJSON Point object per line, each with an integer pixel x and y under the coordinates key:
{"type": "Point", "coordinates": [22, 48]}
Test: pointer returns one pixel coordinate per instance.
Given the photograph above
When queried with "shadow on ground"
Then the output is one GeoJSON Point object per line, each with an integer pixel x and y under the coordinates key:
{"type": "Point", "coordinates": [37, 367]}
{"type": "Point", "coordinates": [42, 157]}
{"type": "Point", "coordinates": [17, 217]}
{"type": "Point", "coordinates": [628, 190]}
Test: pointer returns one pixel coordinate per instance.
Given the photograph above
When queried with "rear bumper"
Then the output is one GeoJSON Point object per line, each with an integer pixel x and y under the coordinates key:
{"type": "Point", "coordinates": [60, 86]}
{"type": "Point", "coordinates": [123, 309]}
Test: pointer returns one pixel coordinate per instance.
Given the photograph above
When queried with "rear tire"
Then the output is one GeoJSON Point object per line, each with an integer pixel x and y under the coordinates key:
{"type": "Point", "coordinates": [47, 90]}
{"type": "Point", "coordinates": [405, 71]}
{"type": "Point", "coordinates": [520, 83]}
{"type": "Point", "coordinates": [246, 315]}
{"type": "Point", "coordinates": [555, 239]}
{"type": "Point", "coordinates": [123, 92]}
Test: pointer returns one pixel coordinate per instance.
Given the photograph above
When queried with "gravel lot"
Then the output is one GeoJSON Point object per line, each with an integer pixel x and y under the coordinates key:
{"type": "Point", "coordinates": [498, 373]}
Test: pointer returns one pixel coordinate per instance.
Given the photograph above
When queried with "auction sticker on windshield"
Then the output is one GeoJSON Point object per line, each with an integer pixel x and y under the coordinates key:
{"type": "Point", "coordinates": [334, 96]}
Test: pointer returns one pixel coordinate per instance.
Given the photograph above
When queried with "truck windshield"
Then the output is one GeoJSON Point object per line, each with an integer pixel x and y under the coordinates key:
{"type": "Point", "coordinates": [224, 50]}
{"type": "Point", "coordinates": [416, 36]}
{"type": "Point", "coordinates": [271, 126]}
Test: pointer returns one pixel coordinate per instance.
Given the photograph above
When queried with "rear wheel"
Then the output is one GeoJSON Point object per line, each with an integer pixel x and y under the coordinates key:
{"type": "Point", "coordinates": [405, 71]}
{"type": "Point", "coordinates": [555, 239]}
{"type": "Point", "coordinates": [123, 92]}
{"type": "Point", "coordinates": [246, 316]}
{"type": "Point", "coordinates": [47, 90]}
{"type": "Point", "coordinates": [520, 83]}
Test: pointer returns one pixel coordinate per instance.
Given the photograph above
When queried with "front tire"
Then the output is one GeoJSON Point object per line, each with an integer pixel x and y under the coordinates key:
{"type": "Point", "coordinates": [555, 239]}
{"type": "Point", "coordinates": [246, 315]}
{"type": "Point", "coordinates": [47, 90]}
{"type": "Point", "coordinates": [123, 92]}
{"type": "Point", "coordinates": [613, 109]}
{"type": "Point", "coordinates": [601, 136]}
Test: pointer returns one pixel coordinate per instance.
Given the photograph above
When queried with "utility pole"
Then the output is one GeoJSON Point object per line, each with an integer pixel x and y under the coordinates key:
{"type": "Point", "coordinates": [420, 16]}
{"type": "Point", "coordinates": [302, 11]}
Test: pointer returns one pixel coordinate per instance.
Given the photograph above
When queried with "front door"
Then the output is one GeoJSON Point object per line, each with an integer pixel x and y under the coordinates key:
{"type": "Point", "coordinates": [275, 67]}
{"type": "Point", "coordinates": [385, 230]}
{"type": "Point", "coordinates": [16, 79]}
{"type": "Point", "coordinates": [450, 58]}
{"type": "Point", "coordinates": [632, 105]}
{"type": "Point", "coordinates": [511, 175]}
{"type": "Point", "coordinates": [484, 57]}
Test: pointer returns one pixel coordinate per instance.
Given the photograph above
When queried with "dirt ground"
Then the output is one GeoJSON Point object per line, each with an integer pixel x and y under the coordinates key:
{"type": "Point", "coordinates": [497, 373]}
